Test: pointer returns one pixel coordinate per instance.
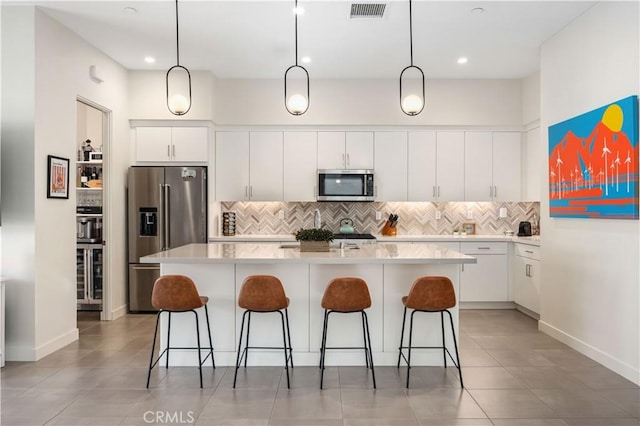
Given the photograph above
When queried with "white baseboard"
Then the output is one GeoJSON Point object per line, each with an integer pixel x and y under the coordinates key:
{"type": "Point", "coordinates": [627, 371]}
{"type": "Point", "coordinates": [487, 305]}
{"type": "Point", "coordinates": [27, 353]}
{"type": "Point", "coordinates": [119, 312]}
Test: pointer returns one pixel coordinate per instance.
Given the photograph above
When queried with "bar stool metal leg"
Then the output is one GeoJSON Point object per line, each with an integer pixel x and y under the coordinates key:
{"type": "Point", "coordinates": [455, 345]}
{"type": "Point", "coordinates": [284, 348]}
{"type": "Point", "coordinates": [323, 347]}
{"type": "Point", "coordinates": [238, 358]}
{"type": "Point", "coordinates": [404, 320]}
{"type": "Point", "coordinates": [364, 338]}
{"type": "Point", "coordinates": [373, 372]}
{"type": "Point", "coordinates": [168, 343]}
{"type": "Point", "coordinates": [409, 349]}
{"type": "Point", "coordinates": [206, 313]}
{"type": "Point", "coordinates": [444, 348]}
{"type": "Point", "coordinates": [246, 346]}
{"type": "Point", "coordinates": [153, 346]}
{"type": "Point", "coordinates": [199, 348]}
{"type": "Point", "coordinates": [286, 315]}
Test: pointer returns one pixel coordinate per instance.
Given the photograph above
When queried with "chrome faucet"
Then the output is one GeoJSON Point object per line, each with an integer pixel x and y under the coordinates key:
{"type": "Point", "coordinates": [317, 219]}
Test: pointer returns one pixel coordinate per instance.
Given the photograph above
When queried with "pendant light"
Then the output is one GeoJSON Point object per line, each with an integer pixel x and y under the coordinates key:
{"type": "Point", "coordinates": [297, 103]}
{"type": "Point", "coordinates": [177, 102]}
{"type": "Point", "coordinates": [411, 104]}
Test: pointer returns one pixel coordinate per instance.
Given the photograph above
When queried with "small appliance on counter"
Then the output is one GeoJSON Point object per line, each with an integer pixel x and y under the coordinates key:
{"type": "Point", "coordinates": [524, 229]}
{"type": "Point", "coordinates": [346, 226]}
{"type": "Point", "coordinates": [228, 224]}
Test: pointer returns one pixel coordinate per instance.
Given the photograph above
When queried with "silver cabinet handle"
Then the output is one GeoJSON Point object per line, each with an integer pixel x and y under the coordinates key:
{"type": "Point", "coordinates": [169, 151]}
{"type": "Point", "coordinates": [250, 191]}
{"type": "Point", "coordinates": [246, 192]}
{"type": "Point", "coordinates": [438, 191]}
{"type": "Point", "coordinates": [433, 191]}
{"type": "Point", "coordinates": [344, 163]}
{"type": "Point", "coordinates": [495, 191]}
{"type": "Point", "coordinates": [462, 267]}
{"type": "Point", "coordinates": [484, 248]}
{"type": "Point", "coordinates": [348, 161]}
{"type": "Point", "coordinates": [173, 151]}
{"type": "Point", "coordinates": [490, 191]}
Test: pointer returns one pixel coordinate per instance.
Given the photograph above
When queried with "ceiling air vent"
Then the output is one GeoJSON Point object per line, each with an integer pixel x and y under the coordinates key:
{"type": "Point", "coordinates": [367, 10]}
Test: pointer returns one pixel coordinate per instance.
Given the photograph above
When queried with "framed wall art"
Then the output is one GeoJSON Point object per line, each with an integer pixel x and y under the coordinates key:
{"type": "Point", "coordinates": [593, 163]}
{"type": "Point", "coordinates": [57, 177]}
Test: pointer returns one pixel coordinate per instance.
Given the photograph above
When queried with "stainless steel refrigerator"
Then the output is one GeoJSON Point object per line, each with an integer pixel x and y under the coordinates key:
{"type": "Point", "coordinates": [167, 208]}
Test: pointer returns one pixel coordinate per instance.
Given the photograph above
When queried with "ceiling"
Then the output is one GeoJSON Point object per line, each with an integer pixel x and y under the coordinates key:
{"type": "Point", "coordinates": [255, 39]}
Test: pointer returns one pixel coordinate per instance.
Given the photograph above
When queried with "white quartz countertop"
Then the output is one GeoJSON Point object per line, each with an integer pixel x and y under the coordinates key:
{"type": "Point", "coordinates": [534, 240]}
{"type": "Point", "coordinates": [420, 253]}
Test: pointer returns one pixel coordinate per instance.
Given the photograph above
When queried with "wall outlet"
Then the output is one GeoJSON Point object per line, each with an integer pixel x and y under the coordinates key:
{"type": "Point", "coordinates": [438, 215]}
{"type": "Point", "coordinates": [281, 214]}
{"type": "Point", "coordinates": [503, 212]}
{"type": "Point", "coordinates": [469, 214]}
{"type": "Point", "coordinates": [378, 215]}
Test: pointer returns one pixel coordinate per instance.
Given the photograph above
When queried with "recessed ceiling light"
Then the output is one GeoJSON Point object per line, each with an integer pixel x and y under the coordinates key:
{"type": "Point", "coordinates": [130, 10]}
{"type": "Point", "coordinates": [298, 10]}
{"type": "Point", "coordinates": [477, 10]}
{"type": "Point", "coordinates": [149, 59]}
{"type": "Point", "coordinates": [463, 60]}
{"type": "Point", "coordinates": [306, 59]}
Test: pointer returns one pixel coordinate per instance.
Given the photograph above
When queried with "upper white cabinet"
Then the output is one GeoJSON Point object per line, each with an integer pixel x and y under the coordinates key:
{"type": "Point", "coordinates": [391, 166]}
{"type": "Point", "coordinates": [248, 166]}
{"type": "Point", "coordinates": [435, 166]}
{"type": "Point", "coordinates": [300, 156]}
{"type": "Point", "coordinates": [492, 166]}
{"type": "Point", "coordinates": [345, 150]}
{"type": "Point", "coordinates": [532, 165]}
{"type": "Point", "coordinates": [172, 144]}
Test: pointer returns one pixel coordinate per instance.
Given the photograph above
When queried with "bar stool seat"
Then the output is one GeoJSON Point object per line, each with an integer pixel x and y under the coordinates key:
{"type": "Point", "coordinates": [263, 294]}
{"type": "Point", "coordinates": [347, 295]}
{"type": "Point", "coordinates": [178, 294]}
{"type": "Point", "coordinates": [430, 294]}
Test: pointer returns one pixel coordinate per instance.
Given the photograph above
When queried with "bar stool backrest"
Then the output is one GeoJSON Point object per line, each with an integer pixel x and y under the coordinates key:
{"type": "Point", "coordinates": [346, 294]}
{"type": "Point", "coordinates": [431, 293]}
{"type": "Point", "coordinates": [175, 293]}
{"type": "Point", "coordinates": [262, 293]}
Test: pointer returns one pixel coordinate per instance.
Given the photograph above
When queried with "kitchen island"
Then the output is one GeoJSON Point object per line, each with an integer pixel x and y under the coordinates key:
{"type": "Point", "coordinates": [218, 269]}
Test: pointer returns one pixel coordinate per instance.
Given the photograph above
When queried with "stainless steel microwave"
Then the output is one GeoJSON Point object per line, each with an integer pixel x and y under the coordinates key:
{"type": "Point", "coordinates": [345, 185]}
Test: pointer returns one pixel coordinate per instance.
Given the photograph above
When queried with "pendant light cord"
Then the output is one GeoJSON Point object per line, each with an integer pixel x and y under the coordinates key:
{"type": "Point", "coordinates": [410, 33]}
{"type": "Point", "coordinates": [177, 37]}
{"type": "Point", "coordinates": [296, 29]}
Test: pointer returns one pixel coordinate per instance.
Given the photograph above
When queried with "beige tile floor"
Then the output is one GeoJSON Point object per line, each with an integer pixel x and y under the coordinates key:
{"type": "Point", "coordinates": [514, 375]}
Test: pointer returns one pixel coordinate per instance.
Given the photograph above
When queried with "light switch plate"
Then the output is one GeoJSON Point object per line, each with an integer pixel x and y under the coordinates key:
{"type": "Point", "coordinates": [438, 215]}
{"type": "Point", "coordinates": [378, 215]}
{"type": "Point", "coordinates": [281, 214]}
{"type": "Point", "coordinates": [469, 214]}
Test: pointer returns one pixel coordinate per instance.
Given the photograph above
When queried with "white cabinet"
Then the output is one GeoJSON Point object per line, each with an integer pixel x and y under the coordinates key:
{"type": "Point", "coordinates": [486, 280]}
{"type": "Point", "coordinates": [248, 166]}
{"type": "Point", "coordinates": [172, 144]}
{"type": "Point", "coordinates": [345, 150]}
{"type": "Point", "coordinates": [265, 166]}
{"type": "Point", "coordinates": [391, 166]}
{"type": "Point", "coordinates": [526, 273]}
{"type": "Point", "coordinates": [492, 166]}
{"type": "Point", "coordinates": [300, 156]}
{"type": "Point", "coordinates": [435, 166]}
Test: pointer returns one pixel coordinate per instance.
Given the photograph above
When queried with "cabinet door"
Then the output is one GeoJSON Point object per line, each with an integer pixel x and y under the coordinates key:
{"type": "Point", "coordinates": [391, 166]}
{"type": "Point", "coordinates": [265, 162]}
{"type": "Point", "coordinates": [450, 166]}
{"type": "Point", "coordinates": [478, 155]}
{"type": "Point", "coordinates": [359, 150]}
{"type": "Point", "coordinates": [507, 176]}
{"type": "Point", "coordinates": [232, 166]}
{"type": "Point", "coordinates": [485, 281]}
{"type": "Point", "coordinates": [421, 165]}
{"type": "Point", "coordinates": [526, 289]}
{"type": "Point", "coordinates": [300, 156]}
{"type": "Point", "coordinates": [190, 144]}
{"type": "Point", "coordinates": [331, 150]}
{"type": "Point", "coordinates": [153, 144]}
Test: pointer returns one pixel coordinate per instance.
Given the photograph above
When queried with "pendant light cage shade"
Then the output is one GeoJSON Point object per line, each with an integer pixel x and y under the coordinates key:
{"type": "Point", "coordinates": [297, 103]}
{"type": "Point", "coordinates": [178, 83]}
{"type": "Point", "coordinates": [411, 103]}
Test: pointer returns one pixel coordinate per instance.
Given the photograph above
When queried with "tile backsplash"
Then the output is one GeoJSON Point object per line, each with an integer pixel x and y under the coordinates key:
{"type": "Point", "coordinates": [414, 217]}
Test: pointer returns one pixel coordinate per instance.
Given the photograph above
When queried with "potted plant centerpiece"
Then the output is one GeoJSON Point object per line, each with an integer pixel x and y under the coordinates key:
{"type": "Point", "coordinates": [314, 239]}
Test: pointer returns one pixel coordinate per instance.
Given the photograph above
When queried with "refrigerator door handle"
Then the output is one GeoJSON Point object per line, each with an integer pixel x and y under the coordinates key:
{"type": "Point", "coordinates": [167, 215]}
{"type": "Point", "coordinates": [162, 219]}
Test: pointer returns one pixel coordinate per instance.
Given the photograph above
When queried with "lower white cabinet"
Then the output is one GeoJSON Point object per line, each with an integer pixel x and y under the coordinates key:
{"type": "Point", "coordinates": [487, 280]}
{"type": "Point", "coordinates": [526, 275]}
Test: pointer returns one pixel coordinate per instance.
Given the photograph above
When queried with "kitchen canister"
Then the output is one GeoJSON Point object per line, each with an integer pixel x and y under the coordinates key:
{"type": "Point", "coordinates": [228, 224]}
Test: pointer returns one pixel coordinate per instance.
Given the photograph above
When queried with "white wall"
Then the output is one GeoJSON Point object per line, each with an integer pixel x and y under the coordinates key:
{"type": "Point", "coordinates": [52, 64]}
{"type": "Point", "coordinates": [531, 99]}
{"type": "Point", "coordinates": [147, 96]}
{"type": "Point", "coordinates": [590, 275]}
{"type": "Point", "coordinates": [370, 102]}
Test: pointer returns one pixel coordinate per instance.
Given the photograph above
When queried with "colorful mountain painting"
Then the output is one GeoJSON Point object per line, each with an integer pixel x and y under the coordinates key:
{"type": "Point", "coordinates": [593, 163]}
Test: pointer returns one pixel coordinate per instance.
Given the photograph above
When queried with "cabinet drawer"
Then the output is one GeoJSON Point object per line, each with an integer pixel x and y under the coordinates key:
{"type": "Point", "coordinates": [483, 248]}
{"type": "Point", "coordinates": [525, 250]}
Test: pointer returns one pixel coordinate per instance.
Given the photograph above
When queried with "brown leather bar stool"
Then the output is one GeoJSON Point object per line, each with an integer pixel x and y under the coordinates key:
{"type": "Point", "coordinates": [430, 294]}
{"type": "Point", "coordinates": [347, 295]}
{"type": "Point", "coordinates": [263, 294]}
{"type": "Point", "coordinates": [177, 294]}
